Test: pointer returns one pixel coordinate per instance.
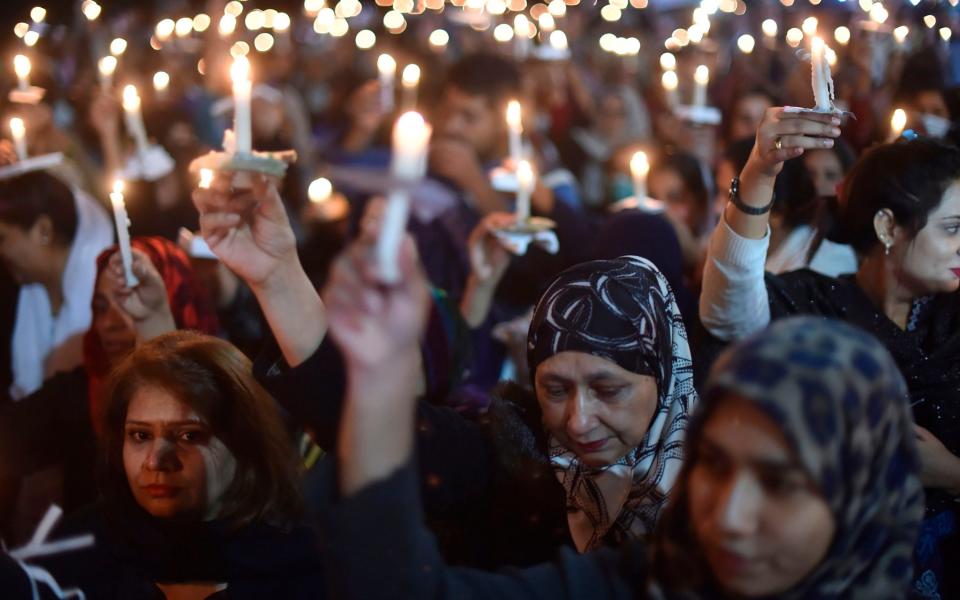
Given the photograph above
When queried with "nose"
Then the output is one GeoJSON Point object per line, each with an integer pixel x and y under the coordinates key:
{"type": "Point", "coordinates": [162, 456]}
{"type": "Point", "coordinates": [738, 507]}
{"type": "Point", "coordinates": [581, 419]}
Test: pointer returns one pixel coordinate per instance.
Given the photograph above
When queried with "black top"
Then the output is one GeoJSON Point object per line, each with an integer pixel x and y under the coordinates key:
{"type": "Point", "coordinates": [135, 551]}
{"type": "Point", "coordinates": [404, 561]}
{"type": "Point", "coordinates": [489, 492]}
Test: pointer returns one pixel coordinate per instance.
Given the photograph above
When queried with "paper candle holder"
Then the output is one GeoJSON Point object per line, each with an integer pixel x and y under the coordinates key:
{"type": "Point", "coordinates": [151, 165]}
{"type": "Point", "coordinates": [699, 115]}
{"type": "Point", "coordinates": [29, 95]}
{"type": "Point", "coordinates": [648, 205]}
{"type": "Point", "coordinates": [32, 164]}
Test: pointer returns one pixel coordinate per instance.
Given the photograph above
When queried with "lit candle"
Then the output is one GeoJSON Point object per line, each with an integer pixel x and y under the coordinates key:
{"type": "Point", "coordinates": [161, 81]}
{"type": "Point", "coordinates": [639, 168]}
{"type": "Point", "coordinates": [670, 82]}
{"type": "Point", "coordinates": [900, 34]}
{"type": "Point", "coordinates": [521, 36]}
{"type": "Point", "coordinates": [206, 179]}
{"type": "Point", "coordinates": [387, 69]}
{"type": "Point", "coordinates": [515, 130]}
{"type": "Point", "coordinates": [19, 133]}
{"type": "Point", "coordinates": [106, 66]}
{"type": "Point", "coordinates": [320, 190]}
{"type": "Point", "coordinates": [701, 77]}
{"type": "Point", "coordinates": [21, 65]}
{"type": "Point", "coordinates": [242, 88]}
{"type": "Point", "coordinates": [822, 82]}
{"type": "Point", "coordinates": [134, 120]}
{"type": "Point", "coordinates": [411, 135]}
{"type": "Point", "coordinates": [770, 28]}
{"type": "Point", "coordinates": [410, 79]}
{"type": "Point", "coordinates": [897, 122]}
{"type": "Point", "coordinates": [123, 232]}
{"type": "Point", "coordinates": [525, 183]}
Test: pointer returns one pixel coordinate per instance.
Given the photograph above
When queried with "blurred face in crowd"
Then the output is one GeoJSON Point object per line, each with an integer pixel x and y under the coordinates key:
{"type": "Point", "coordinates": [825, 170]}
{"type": "Point", "coordinates": [174, 464]}
{"type": "Point", "coordinates": [747, 114]}
{"type": "Point", "coordinates": [758, 517]}
{"type": "Point", "coordinates": [594, 407]}
{"type": "Point", "coordinates": [931, 102]}
{"type": "Point", "coordinates": [473, 120]}
{"type": "Point", "coordinates": [930, 262]}
{"type": "Point", "coordinates": [668, 186]}
{"type": "Point", "coordinates": [24, 251]}
{"type": "Point", "coordinates": [611, 118]}
{"type": "Point", "coordinates": [114, 326]}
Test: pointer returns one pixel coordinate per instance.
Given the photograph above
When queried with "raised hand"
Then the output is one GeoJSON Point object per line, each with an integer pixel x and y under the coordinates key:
{"type": "Point", "coordinates": [248, 230]}
{"type": "Point", "coordinates": [783, 135]}
{"type": "Point", "coordinates": [488, 258]}
{"type": "Point", "coordinates": [147, 302]}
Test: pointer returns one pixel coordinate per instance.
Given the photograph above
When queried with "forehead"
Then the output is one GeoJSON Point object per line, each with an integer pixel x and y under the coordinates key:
{"type": "Point", "coordinates": [459, 99]}
{"type": "Point", "coordinates": [10, 231]}
{"type": "Point", "coordinates": [573, 365]}
{"type": "Point", "coordinates": [105, 285]}
{"type": "Point", "coordinates": [152, 404]}
{"type": "Point", "coordinates": [746, 433]}
{"type": "Point", "coordinates": [950, 204]}
{"type": "Point", "coordinates": [822, 159]}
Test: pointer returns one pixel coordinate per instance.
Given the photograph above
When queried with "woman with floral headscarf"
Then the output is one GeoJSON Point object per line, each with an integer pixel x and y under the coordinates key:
{"type": "Point", "coordinates": [801, 480]}
{"type": "Point", "coordinates": [54, 426]}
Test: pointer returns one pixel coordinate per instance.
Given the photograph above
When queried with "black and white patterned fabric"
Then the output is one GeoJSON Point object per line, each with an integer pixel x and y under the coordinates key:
{"type": "Point", "coordinates": [622, 310]}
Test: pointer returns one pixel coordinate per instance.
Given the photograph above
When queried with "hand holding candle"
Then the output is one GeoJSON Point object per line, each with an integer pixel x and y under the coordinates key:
{"type": "Point", "coordinates": [19, 132]}
{"type": "Point", "coordinates": [411, 135]}
{"type": "Point", "coordinates": [242, 91]}
{"type": "Point", "coordinates": [123, 232]}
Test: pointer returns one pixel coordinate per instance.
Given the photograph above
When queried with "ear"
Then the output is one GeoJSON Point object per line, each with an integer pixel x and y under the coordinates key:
{"type": "Point", "coordinates": [42, 230]}
{"type": "Point", "coordinates": [885, 227]}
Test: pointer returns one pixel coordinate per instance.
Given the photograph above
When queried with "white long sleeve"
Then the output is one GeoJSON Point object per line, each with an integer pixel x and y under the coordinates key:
{"type": "Point", "coordinates": [733, 302]}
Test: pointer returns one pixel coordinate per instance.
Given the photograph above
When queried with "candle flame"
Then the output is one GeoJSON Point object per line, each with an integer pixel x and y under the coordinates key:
{"type": "Point", "coordinates": [206, 178]}
{"type": "Point", "coordinates": [386, 64]}
{"type": "Point", "coordinates": [525, 175]}
{"type": "Point", "coordinates": [898, 121]}
{"type": "Point", "coordinates": [639, 164]}
{"type": "Point", "coordinates": [131, 99]}
{"type": "Point", "coordinates": [769, 28]}
{"type": "Point", "coordinates": [411, 75]}
{"type": "Point", "coordinates": [240, 70]}
{"type": "Point", "coordinates": [17, 127]}
{"type": "Point", "coordinates": [514, 115]}
{"type": "Point", "coordinates": [161, 80]}
{"type": "Point", "coordinates": [21, 65]}
{"type": "Point", "coordinates": [118, 186]}
{"type": "Point", "coordinates": [107, 65]}
{"type": "Point", "coordinates": [702, 75]}
{"type": "Point", "coordinates": [901, 33]}
{"type": "Point", "coordinates": [320, 190]}
{"type": "Point", "coordinates": [669, 80]}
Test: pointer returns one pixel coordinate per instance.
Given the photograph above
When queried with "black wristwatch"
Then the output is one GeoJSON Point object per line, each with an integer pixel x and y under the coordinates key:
{"type": "Point", "coordinates": [750, 210]}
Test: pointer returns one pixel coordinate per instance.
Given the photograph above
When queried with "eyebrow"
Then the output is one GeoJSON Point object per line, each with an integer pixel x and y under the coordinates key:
{"type": "Point", "coordinates": [165, 423]}
{"type": "Point", "coordinates": [951, 218]}
{"type": "Point", "coordinates": [766, 464]}
{"type": "Point", "coordinates": [591, 377]}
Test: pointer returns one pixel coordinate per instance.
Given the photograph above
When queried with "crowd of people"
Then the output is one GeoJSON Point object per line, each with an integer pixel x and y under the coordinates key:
{"type": "Point", "coordinates": [736, 375]}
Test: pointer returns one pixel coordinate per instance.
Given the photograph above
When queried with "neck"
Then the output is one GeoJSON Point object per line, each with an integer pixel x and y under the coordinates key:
{"type": "Point", "coordinates": [878, 279]}
{"type": "Point", "coordinates": [53, 279]}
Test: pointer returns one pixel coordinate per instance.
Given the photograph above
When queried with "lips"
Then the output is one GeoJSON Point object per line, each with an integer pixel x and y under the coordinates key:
{"type": "Point", "coordinates": [730, 563]}
{"type": "Point", "coordinates": [956, 272]}
{"type": "Point", "coordinates": [161, 491]}
{"type": "Point", "coordinates": [592, 446]}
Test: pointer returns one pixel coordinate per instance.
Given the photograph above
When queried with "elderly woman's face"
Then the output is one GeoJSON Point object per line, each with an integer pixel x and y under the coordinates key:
{"type": "Point", "coordinates": [760, 521]}
{"type": "Point", "coordinates": [175, 466]}
{"type": "Point", "coordinates": [593, 407]}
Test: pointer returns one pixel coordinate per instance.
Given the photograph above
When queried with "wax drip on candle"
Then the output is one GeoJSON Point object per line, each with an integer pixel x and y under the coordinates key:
{"type": "Point", "coordinates": [123, 232]}
{"type": "Point", "coordinates": [411, 136]}
{"type": "Point", "coordinates": [242, 88]}
{"type": "Point", "coordinates": [515, 131]}
{"type": "Point", "coordinates": [19, 132]}
{"type": "Point", "coordinates": [821, 79]}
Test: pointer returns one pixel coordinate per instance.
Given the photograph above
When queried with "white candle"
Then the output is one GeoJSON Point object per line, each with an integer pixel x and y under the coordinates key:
{"type": "Point", "coordinates": [897, 123]}
{"type": "Point", "coordinates": [670, 82]}
{"type": "Point", "coordinates": [387, 70]}
{"type": "Point", "coordinates": [410, 79]}
{"type": "Point", "coordinates": [639, 168]}
{"type": "Point", "coordinates": [242, 89]}
{"type": "Point", "coordinates": [411, 136]}
{"type": "Point", "coordinates": [134, 120]}
{"type": "Point", "coordinates": [123, 232]}
{"type": "Point", "coordinates": [701, 77]}
{"type": "Point", "coordinates": [525, 183]}
{"type": "Point", "coordinates": [19, 133]}
{"type": "Point", "coordinates": [515, 130]}
{"type": "Point", "coordinates": [21, 65]}
{"type": "Point", "coordinates": [106, 66]}
{"type": "Point", "coordinates": [822, 82]}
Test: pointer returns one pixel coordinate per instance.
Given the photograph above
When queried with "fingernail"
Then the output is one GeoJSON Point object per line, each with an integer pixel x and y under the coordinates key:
{"type": "Point", "coordinates": [835, 131]}
{"type": "Point", "coordinates": [827, 143]}
{"type": "Point", "coordinates": [835, 120]}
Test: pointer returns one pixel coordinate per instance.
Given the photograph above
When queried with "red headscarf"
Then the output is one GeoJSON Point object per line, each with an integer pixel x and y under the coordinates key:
{"type": "Point", "coordinates": [190, 303]}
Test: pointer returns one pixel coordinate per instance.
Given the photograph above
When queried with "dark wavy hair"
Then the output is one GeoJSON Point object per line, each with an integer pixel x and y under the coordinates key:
{"type": "Point", "coordinates": [907, 177]}
{"type": "Point", "coordinates": [25, 198]}
{"type": "Point", "coordinates": [215, 379]}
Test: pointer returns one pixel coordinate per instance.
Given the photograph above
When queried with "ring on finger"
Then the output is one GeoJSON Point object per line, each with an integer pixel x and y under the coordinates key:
{"type": "Point", "coordinates": [778, 143]}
